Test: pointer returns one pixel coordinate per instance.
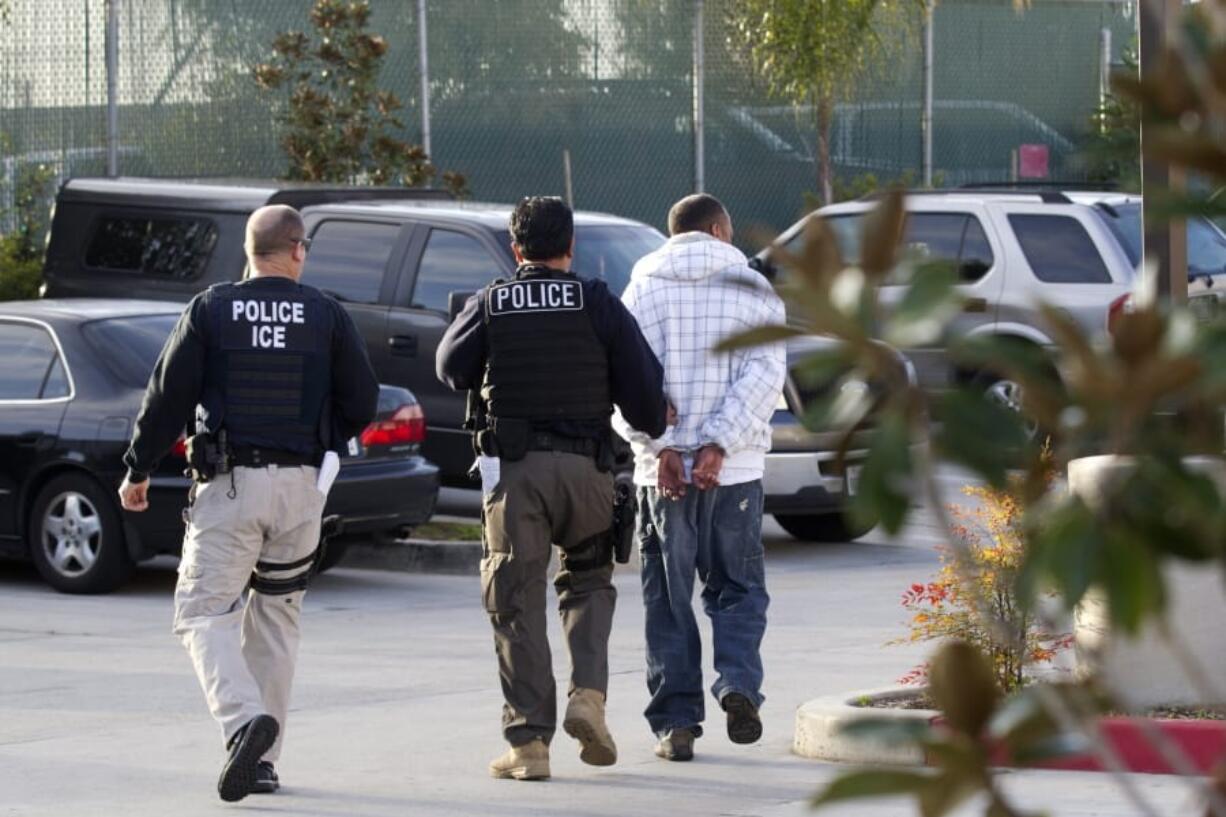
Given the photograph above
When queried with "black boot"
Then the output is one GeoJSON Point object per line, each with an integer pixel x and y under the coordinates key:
{"type": "Point", "coordinates": [239, 775]}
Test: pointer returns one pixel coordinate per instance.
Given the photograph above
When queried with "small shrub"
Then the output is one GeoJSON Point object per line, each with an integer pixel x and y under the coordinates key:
{"type": "Point", "coordinates": [21, 274]}
{"type": "Point", "coordinates": [948, 607]}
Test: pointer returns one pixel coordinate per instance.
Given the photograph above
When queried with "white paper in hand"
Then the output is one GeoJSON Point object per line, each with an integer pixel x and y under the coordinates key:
{"type": "Point", "coordinates": [328, 469]}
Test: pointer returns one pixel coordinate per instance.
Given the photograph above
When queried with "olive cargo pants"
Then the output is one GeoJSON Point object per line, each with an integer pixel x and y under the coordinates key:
{"type": "Point", "coordinates": [547, 498]}
{"type": "Point", "coordinates": [244, 650]}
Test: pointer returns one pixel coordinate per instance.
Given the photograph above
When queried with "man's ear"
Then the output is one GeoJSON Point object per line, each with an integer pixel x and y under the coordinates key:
{"type": "Point", "coordinates": [519, 256]}
{"type": "Point", "coordinates": [571, 252]}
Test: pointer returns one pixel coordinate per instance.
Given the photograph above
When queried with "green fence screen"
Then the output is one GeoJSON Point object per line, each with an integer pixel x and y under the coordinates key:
{"type": "Point", "coordinates": [515, 83]}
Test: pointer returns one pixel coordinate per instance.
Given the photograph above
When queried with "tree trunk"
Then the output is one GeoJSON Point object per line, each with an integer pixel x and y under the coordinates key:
{"type": "Point", "coordinates": [825, 174]}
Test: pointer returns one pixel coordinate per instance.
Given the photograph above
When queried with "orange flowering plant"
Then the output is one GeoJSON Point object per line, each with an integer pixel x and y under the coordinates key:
{"type": "Point", "coordinates": [951, 606]}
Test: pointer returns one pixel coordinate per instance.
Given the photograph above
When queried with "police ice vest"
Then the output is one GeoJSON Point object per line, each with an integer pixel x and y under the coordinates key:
{"type": "Point", "coordinates": [545, 360]}
{"type": "Point", "coordinates": [270, 364]}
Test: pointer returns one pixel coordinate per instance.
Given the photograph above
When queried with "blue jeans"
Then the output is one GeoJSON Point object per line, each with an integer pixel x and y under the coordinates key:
{"type": "Point", "coordinates": [718, 534]}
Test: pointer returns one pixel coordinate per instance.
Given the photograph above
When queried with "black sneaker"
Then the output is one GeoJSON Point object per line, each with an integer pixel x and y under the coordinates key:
{"type": "Point", "coordinates": [239, 775]}
{"type": "Point", "coordinates": [266, 780]}
{"type": "Point", "coordinates": [744, 725]}
{"type": "Point", "coordinates": [678, 744]}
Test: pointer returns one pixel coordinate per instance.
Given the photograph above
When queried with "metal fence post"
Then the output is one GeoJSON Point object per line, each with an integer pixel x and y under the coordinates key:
{"type": "Point", "coordinates": [423, 59]}
{"type": "Point", "coordinates": [112, 87]}
{"type": "Point", "coordinates": [1164, 239]}
{"type": "Point", "coordinates": [699, 72]}
{"type": "Point", "coordinates": [926, 116]}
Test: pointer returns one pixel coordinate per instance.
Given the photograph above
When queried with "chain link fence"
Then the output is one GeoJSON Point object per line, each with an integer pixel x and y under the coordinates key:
{"type": "Point", "coordinates": [518, 84]}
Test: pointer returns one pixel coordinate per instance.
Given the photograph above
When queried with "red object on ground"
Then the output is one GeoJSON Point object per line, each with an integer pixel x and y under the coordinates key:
{"type": "Point", "coordinates": [1032, 161]}
{"type": "Point", "coordinates": [1203, 743]}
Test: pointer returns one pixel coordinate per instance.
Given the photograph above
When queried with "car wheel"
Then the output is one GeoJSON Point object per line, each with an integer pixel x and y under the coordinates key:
{"type": "Point", "coordinates": [337, 548]}
{"type": "Point", "coordinates": [76, 537]}
{"type": "Point", "coordinates": [1007, 394]}
{"type": "Point", "coordinates": [826, 527]}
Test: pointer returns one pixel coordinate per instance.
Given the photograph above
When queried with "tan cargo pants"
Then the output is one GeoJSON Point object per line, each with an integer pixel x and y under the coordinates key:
{"type": "Point", "coordinates": [547, 498]}
{"type": "Point", "coordinates": [244, 649]}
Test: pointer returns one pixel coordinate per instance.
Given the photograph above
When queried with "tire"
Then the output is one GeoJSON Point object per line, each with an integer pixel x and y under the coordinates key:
{"type": "Point", "coordinates": [826, 527]}
{"type": "Point", "coordinates": [1007, 394]}
{"type": "Point", "coordinates": [337, 548]}
{"type": "Point", "coordinates": [75, 536]}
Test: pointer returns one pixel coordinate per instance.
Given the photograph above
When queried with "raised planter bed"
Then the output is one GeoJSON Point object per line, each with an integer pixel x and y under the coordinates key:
{"type": "Point", "coordinates": [819, 723]}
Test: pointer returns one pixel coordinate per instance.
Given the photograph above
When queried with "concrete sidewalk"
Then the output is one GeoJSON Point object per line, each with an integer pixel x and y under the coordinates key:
{"type": "Point", "coordinates": [397, 704]}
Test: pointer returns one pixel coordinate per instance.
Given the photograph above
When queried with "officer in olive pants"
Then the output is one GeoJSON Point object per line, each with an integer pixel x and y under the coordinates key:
{"type": "Point", "coordinates": [276, 374]}
{"type": "Point", "coordinates": [550, 354]}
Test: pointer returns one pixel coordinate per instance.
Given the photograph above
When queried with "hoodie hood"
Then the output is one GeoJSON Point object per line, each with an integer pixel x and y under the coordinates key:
{"type": "Point", "coordinates": [694, 257]}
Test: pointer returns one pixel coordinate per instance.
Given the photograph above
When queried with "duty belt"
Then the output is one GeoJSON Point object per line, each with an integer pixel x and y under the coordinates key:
{"type": "Point", "coordinates": [252, 457]}
{"type": "Point", "coordinates": [545, 441]}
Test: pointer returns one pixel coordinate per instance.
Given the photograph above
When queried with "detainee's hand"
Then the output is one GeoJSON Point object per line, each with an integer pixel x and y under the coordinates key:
{"type": "Point", "coordinates": [670, 474]}
{"type": "Point", "coordinates": [707, 465]}
{"type": "Point", "coordinates": [671, 417]}
{"type": "Point", "coordinates": [134, 496]}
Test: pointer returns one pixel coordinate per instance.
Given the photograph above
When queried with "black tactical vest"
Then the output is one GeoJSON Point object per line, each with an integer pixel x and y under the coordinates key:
{"type": "Point", "coordinates": [545, 360]}
{"type": "Point", "coordinates": [269, 364]}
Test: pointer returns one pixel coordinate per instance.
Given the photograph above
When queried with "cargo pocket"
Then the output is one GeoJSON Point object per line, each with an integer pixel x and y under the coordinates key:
{"type": "Point", "coordinates": [498, 587]}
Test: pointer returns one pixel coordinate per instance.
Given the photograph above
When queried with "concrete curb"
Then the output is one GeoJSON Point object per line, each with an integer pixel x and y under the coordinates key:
{"type": "Point", "coordinates": [416, 556]}
{"type": "Point", "coordinates": [819, 726]}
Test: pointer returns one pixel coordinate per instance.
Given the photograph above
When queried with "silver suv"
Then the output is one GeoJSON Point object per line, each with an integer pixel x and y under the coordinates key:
{"type": "Point", "coordinates": [1014, 249]}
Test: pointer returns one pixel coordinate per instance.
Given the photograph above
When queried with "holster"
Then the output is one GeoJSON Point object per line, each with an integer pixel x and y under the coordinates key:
{"type": "Point", "coordinates": [331, 526]}
{"type": "Point", "coordinates": [505, 438]}
{"type": "Point", "coordinates": [622, 530]}
{"type": "Point", "coordinates": [208, 456]}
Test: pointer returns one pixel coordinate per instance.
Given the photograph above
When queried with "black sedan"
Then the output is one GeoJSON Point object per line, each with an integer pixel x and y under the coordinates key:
{"type": "Point", "coordinates": [72, 374]}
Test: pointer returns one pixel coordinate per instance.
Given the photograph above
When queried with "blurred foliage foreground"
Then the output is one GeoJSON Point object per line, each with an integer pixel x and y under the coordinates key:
{"type": "Point", "coordinates": [1153, 392]}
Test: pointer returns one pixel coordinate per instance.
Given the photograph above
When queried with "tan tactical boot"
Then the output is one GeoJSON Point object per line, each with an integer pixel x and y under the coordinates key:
{"type": "Point", "coordinates": [585, 723]}
{"type": "Point", "coordinates": [527, 762]}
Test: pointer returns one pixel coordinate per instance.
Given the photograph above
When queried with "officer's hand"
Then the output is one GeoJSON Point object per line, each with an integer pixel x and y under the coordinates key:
{"type": "Point", "coordinates": [670, 474]}
{"type": "Point", "coordinates": [707, 465]}
{"type": "Point", "coordinates": [134, 496]}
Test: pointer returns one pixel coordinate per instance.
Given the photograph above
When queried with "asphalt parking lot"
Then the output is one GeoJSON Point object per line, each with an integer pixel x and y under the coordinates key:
{"type": "Point", "coordinates": [396, 705]}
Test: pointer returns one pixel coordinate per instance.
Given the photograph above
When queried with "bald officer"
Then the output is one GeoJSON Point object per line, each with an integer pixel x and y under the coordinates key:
{"type": "Point", "coordinates": [276, 374]}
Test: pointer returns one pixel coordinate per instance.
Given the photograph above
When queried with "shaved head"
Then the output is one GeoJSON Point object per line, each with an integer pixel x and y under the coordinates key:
{"type": "Point", "coordinates": [698, 212]}
{"type": "Point", "coordinates": [273, 229]}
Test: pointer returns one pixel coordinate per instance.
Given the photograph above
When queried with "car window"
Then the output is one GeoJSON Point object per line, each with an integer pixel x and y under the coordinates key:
{"type": "Point", "coordinates": [130, 346]}
{"type": "Point", "coordinates": [609, 253]}
{"type": "Point", "coordinates": [452, 262]}
{"type": "Point", "coordinates": [976, 258]}
{"type": "Point", "coordinates": [1206, 248]}
{"type": "Point", "coordinates": [56, 384]}
{"type": "Point", "coordinates": [167, 247]}
{"type": "Point", "coordinates": [349, 258]}
{"type": "Point", "coordinates": [846, 229]}
{"type": "Point", "coordinates": [28, 359]}
{"type": "Point", "coordinates": [1059, 250]}
{"type": "Point", "coordinates": [1206, 244]}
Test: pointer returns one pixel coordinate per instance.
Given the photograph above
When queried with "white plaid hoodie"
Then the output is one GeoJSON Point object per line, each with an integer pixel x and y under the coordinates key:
{"type": "Point", "coordinates": [687, 296]}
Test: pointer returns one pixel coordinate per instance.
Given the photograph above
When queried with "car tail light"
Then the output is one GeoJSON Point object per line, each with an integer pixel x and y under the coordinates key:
{"type": "Point", "coordinates": [407, 425]}
{"type": "Point", "coordinates": [1119, 307]}
{"type": "Point", "coordinates": [179, 449]}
